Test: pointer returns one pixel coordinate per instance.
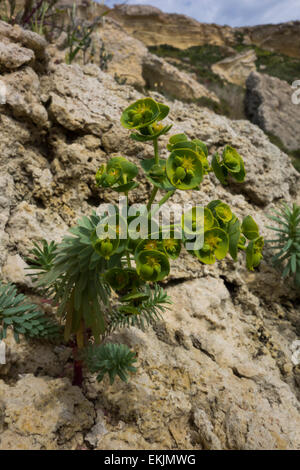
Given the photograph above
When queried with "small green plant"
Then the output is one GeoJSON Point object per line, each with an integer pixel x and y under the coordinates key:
{"type": "Point", "coordinates": [33, 14]}
{"type": "Point", "coordinates": [104, 59]}
{"type": "Point", "coordinates": [287, 243]}
{"type": "Point", "coordinates": [24, 318]}
{"type": "Point", "coordinates": [106, 274]}
{"type": "Point", "coordinates": [120, 80]}
{"type": "Point", "coordinates": [79, 34]}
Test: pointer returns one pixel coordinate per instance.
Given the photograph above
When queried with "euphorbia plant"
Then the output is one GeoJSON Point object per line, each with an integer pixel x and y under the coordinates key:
{"type": "Point", "coordinates": [106, 279]}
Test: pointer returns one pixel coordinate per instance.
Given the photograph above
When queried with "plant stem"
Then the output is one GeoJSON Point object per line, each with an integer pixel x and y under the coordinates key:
{"type": "Point", "coordinates": [77, 373]}
{"type": "Point", "coordinates": [128, 259]}
{"type": "Point", "coordinates": [81, 341]}
{"type": "Point", "coordinates": [26, 19]}
{"type": "Point", "coordinates": [166, 197]}
{"type": "Point", "coordinates": [152, 197]}
{"type": "Point", "coordinates": [242, 247]}
{"type": "Point", "coordinates": [156, 154]}
{"type": "Point", "coordinates": [161, 202]}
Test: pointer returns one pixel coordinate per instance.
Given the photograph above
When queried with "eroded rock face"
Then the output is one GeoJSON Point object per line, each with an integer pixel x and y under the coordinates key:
{"type": "Point", "coordinates": [43, 413]}
{"type": "Point", "coordinates": [221, 390]}
{"type": "Point", "coordinates": [269, 105]}
{"type": "Point", "coordinates": [236, 69]}
{"type": "Point", "coordinates": [129, 62]}
{"type": "Point", "coordinates": [22, 46]}
{"type": "Point", "coordinates": [153, 27]}
{"type": "Point", "coordinates": [283, 38]}
{"type": "Point", "coordinates": [166, 78]}
{"type": "Point", "coordinates": [217, 371]}
{"type": "Point", "coordinates": [13, 56]}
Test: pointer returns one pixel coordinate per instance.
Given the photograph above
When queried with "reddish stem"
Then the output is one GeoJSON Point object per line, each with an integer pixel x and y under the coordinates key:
{"type": "Point", "coordinates": [32, 12]}
{"type": "Point", "coordinates": [78, 363]}
{"type": "Point", "coordinates": [77, 373]}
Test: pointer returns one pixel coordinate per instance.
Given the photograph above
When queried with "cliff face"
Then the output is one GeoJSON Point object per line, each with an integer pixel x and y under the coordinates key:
{"type": "Point", "coordinates": [153, 27]}
{"type": "Point", "coordinates": [283, 38]}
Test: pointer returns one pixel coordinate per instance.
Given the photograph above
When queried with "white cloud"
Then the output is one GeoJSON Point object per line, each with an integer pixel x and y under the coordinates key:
{"type": "Point", "coordinates": [232, 12]}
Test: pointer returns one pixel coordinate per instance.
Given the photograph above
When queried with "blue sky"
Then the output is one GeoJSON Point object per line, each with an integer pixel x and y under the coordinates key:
{"type": "Point", "coordinates": [231, 12]}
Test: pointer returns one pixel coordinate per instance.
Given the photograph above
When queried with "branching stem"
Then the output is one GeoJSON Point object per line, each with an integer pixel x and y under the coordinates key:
{"type": "Point", "coordinates": [152, 197]}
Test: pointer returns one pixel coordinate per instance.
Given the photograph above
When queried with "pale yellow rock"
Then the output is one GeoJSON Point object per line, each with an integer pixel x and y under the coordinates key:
{"type": "Point", "coordinates": [153, 27]}
{"type": "Point", "coordinates": [46, 412]}
{"type": "Point", "coordinates": [14, 270]}
{"type": "Point", "coordinates": [23, 96]}
{"type": "Point", "coordinates": [13, 56]}
{"type": "Point", "coordinates": [166, 78]}
{"type": "Point", "coordinates": [236, 69]}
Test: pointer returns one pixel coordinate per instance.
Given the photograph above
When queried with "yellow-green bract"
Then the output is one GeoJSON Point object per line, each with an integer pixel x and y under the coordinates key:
{"type": "Point", "coordinates": [140, 114]}
{"type": "Point", "coordinates": [152, 265]}
{"type": "Point", "coordinates": [216, 245]}
{"type": "Point", "coordinates": [184, 169]}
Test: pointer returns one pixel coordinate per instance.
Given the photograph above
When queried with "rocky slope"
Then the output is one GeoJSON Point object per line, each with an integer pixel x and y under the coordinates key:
{"type": "Point", "coordinates": [208, 64]}
{"type": "Point", "coordinates": [217, 372]}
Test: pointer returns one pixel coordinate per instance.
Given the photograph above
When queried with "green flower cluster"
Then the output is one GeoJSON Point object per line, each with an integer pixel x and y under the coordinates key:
{"type": "Point", "coordinates": [118, 174]}
{"type": "Point", "coordinates": [224, 234]}
{"type": "Point", "coordinates": [184, 169]}
{"type": "Point", "coordinates": [231, 165]}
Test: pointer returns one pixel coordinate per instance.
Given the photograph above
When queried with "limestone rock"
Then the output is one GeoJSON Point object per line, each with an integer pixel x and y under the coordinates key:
{"type": "Point", "coordinates": [153, 27]}
{"type": "Point", "coordinates": [79, 100]}
{"type": "Point", "coordinates": [236, 396]}
{"type": "Point", "coordinates": [34, 357]}
{"type": "Point", "coordinates": [23, 96]}
{"type": "Point", "coordinates": [25, 38]}
{"type": "Point", "coordinates": [13, 56]}
{"type": "Point", "coordinates": [164, 77]}
{"type": "Point", "coordinates": [124, 53]}
{"type": "Point", "coordinates": [14, 270]}
{"type": "Point", "coordinates": [236, 69]}
{"type": "Point", "coordinates": [129, 62]}
{"type": "Point", "coordinates": [43, 413]}
{"type": "Point", "coordinates": [282, 37]}
{"type": "Point", "coordinates": [269, 104]}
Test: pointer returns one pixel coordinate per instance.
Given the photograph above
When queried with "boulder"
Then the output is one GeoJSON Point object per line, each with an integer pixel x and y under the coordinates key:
{"type": "Point", "coordinates": [166, 78]}
{"type": "Point", "coordinates": [23, 96]}
{"type": "Point", "coordinates": [269, 105]}
{"type": "Point", "coordinates": [13, 56]}
{"type": "Point", "coordinates": [195, 390]}
{"type": "Point", "coordinates": [25, 39]}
